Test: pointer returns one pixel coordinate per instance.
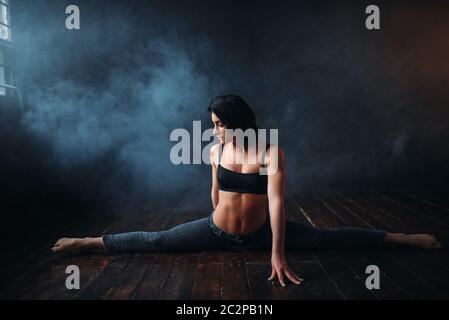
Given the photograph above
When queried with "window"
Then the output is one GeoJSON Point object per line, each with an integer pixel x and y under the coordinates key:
{"type": "Point", "coordinates": [5, 31]}
{"type": "Point", "coordinates": [5, 38]}
{"type": "Point", "coordinates": [2, 74]}
{"type": "Point", "coordinates": [8, 88]}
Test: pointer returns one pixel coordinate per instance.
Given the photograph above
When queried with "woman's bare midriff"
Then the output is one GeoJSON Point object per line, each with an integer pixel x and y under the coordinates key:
{"type": "Point", "coordinates": [240, 213]}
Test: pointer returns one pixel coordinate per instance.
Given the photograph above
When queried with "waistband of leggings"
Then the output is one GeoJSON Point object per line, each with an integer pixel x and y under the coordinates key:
{"type": "Point", "coordinates": [236, 237]}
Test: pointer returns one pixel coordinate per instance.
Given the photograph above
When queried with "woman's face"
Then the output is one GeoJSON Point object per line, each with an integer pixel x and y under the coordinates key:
{"type": "Point", "coordinates": [219, 128]}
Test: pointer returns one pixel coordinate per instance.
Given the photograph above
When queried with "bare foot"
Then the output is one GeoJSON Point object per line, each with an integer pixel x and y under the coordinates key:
{"type": "Point", "coordinates": [67, 244]}
{"type": "Point", "coordinates": [423, 241]}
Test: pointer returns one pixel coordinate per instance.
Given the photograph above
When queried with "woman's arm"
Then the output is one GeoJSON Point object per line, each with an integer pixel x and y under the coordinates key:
{"type": "Point", "coordinates": [275, 191]}
{"type": "Point", "coordinates": [213, 163]}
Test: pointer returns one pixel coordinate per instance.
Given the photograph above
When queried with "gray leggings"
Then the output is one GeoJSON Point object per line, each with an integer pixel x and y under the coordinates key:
{"type": "Point", "coordinates": [203, 234]}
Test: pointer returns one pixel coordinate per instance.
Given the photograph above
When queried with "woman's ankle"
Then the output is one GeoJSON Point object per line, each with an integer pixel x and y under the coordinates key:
{"type": "Point", "coordinates": [91, 243]}
{"type": "Point", "coordinates": [395, 239]}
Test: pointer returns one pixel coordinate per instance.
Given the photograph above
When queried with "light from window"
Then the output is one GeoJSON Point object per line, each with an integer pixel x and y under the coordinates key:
{"type": "Point", "coordinates": [2, 74]}
{"type": "Point", "coordinates": [5, 33]}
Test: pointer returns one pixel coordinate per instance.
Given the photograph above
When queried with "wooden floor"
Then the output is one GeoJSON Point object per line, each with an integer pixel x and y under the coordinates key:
{"type": "Point", "coordinates": [328, 274]}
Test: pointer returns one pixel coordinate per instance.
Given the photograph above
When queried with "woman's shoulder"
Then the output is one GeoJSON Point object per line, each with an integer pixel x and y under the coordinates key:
{"type": "Point", "coordinates": [274, 150]}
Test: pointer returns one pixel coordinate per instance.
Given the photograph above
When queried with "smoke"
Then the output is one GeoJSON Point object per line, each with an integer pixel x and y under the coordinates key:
{"type": "Point", "coordinates": [114, 97]}
{"type": "Point", "coordinates": [133, 113]}
{"type": "Point", "coordinates": [103, 100]}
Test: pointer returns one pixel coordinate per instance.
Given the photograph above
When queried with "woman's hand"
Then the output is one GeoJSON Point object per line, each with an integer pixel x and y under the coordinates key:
{"type": "Point", "coordinates": [280, 269]}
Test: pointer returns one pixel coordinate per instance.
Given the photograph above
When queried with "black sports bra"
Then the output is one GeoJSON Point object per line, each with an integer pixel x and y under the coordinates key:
{"type": "Point", "coordinates": [233, 181]}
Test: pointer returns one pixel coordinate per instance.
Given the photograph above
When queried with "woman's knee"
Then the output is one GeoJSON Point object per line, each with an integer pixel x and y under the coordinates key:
{"type": "Point", "coordinates": [137, 241]}
{"type": "Point", "coordinates": [157, 241]}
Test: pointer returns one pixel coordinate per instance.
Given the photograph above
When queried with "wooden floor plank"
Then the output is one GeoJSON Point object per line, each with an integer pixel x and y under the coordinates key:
{"type": "Point", "coordinates": [260, 256]}
{"type": "Point", "coordinates": [207, 282]}
{"type": "Point", "coordinates": [413, 223]}
{"type": "Point", "coordinates": [328, 274]}
{"type": "Point", "coordinates": [374, 218]}
{"type": "Point", "coordinates": [424, 208]}
{"type": "Point", "coordinates": [234, 281]}
{"type": "Point", "coordinates": [389, 289]}
{"type": "Point", "coordinates": [125, 285]}
{"type": "Point", "coordinates": [437, 199]}
{"type": "Point", "coordinates": [358, 216]}
{"type": "Point", "coordinates": [153, 282]}
{"type": "Point", "coordinates": [259, 287]}
{"type": "Point", "coordinates": [425, 269]}
{"type": "Point", "coordinates": [392, 204]}
{"type": "Point", "coordinates": [396, 222]}
{"type": "Point", "coordinates": [43, 265]}
{"type": "Point", "coordinates": [158, 272]}
{"type": "Point", "coordinates": [345, 279]}
{"type": "Point", "coordinates": [28, 252]}
{"type": "Point", "coordinates": [342, 277]}
{"type": "Point", "coordinates": [184, 270]}
{"type": "Point", "coordinates": [108, 277]}
{"type": "Point", "coordinates": [39, 262]}
{"type": "Point", "coordinates": [395, 273]}
{"type": "Point", "coordinates": [354, 218]}
{"type": "Point", "coordinates": [213, 256]}
{"type": "Point", "coordinates": [317, 284]}
{"type": "Point", "coordinates": [294, 214]}
{"type": "Point", "coordinates": [356, 259]}
{"type": "Point", "coordinates": [45, 284]}
{"type": "Point", "coordinates": [422, 261]}
{"type": "Point", "coordinates": [355, 214]}
{"type": "Point", "coordinates": [89, 268]}
{"type": "Point", "coordinates": [340, 273]}
{"type": "Point", "coordinates": [319, 215]}
{"type": "Point", "coordinates": [181, 279]}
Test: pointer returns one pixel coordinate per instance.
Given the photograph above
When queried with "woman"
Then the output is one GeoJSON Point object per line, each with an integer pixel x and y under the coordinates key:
{"type": "Point", "coordinates": [241, 219]}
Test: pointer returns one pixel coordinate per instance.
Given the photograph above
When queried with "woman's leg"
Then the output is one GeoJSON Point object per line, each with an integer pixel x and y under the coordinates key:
{"type": "Point", "coordinates": [70, 244]}
{"type": "Point", "coordinates": [299, 236]}
{"type": "Point", "coordinates": [191, 236]}
{"type": "Point", "coordinates": [423, 241]}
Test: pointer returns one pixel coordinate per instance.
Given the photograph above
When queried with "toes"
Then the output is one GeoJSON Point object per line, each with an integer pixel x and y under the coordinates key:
{"type": "Point", "coordinates": [437, 245]}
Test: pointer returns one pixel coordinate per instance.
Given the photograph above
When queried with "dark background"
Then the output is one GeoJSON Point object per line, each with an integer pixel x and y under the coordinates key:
{"type": "Point", "coordinates": [356, 109]}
